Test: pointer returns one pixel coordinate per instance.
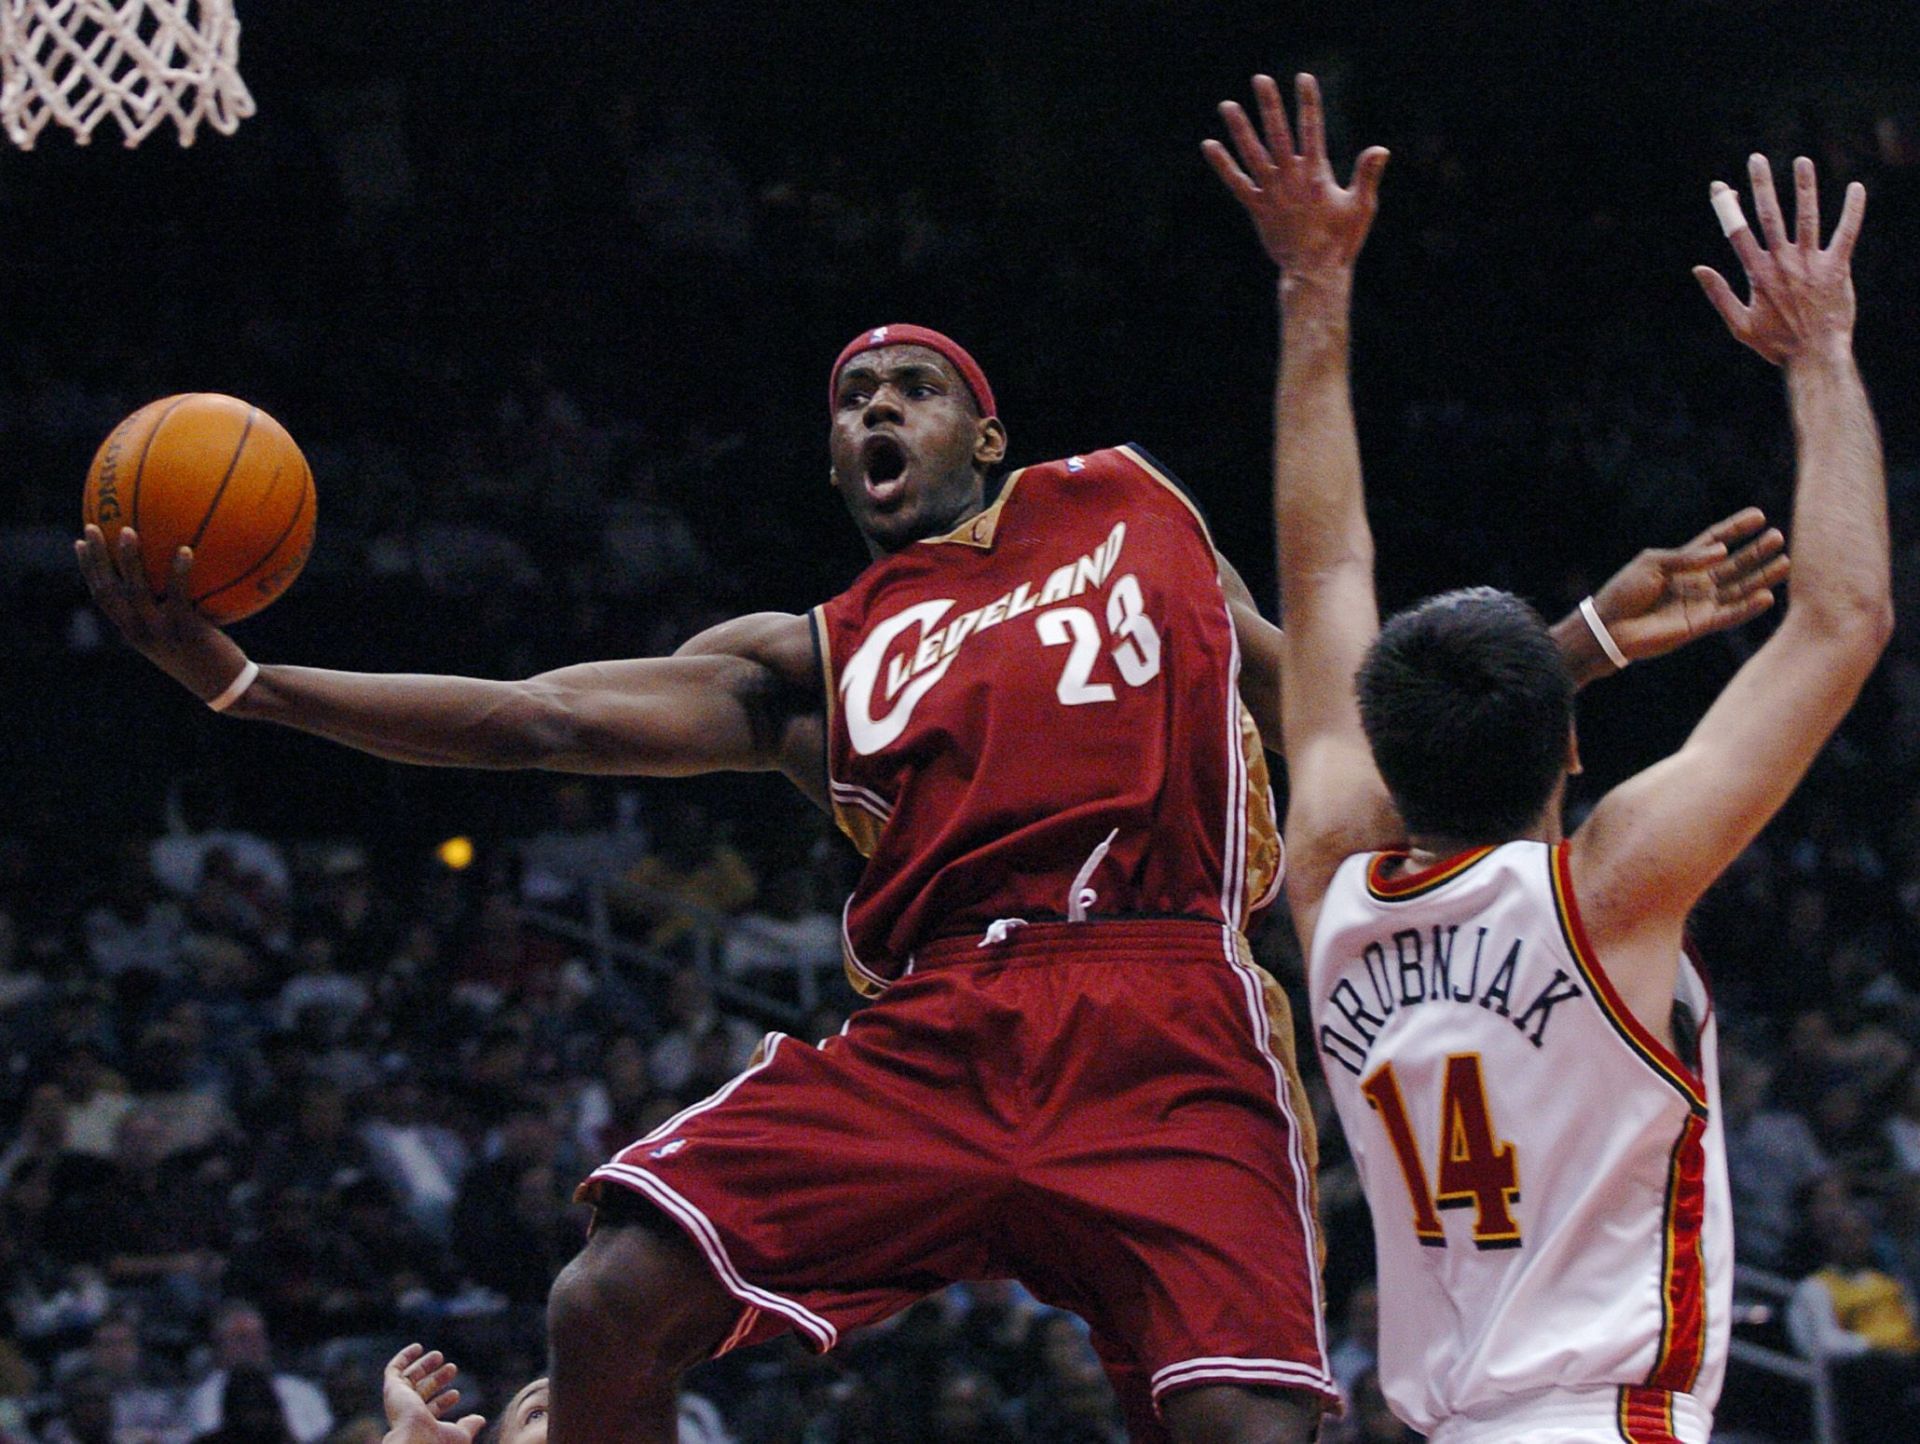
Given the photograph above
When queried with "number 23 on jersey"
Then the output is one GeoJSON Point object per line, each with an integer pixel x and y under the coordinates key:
{"type": "Point", "coordinates": [1476, 1168]}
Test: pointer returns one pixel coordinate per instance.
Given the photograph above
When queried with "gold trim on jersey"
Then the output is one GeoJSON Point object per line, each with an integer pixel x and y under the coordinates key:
{"type": "Point", "coordinates": [1645, 1416]}
{"type": "Point", "coordinates": [1139, 459]}
{"type": "Point", "coordinates": [1278, 1009]}
{"type": "Point", "coordinates": [979, 529]}
{"type": "Point", "coordinates": [1266, 863]}
{"type": "Point", "coordinates": [1382, 888]}
{"type": "Point", "coordinates": [1656, 1054]}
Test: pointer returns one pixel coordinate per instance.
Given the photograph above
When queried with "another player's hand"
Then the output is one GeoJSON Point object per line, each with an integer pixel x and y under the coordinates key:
{"type": "Point", "coordinates": [1664, 599]}
{"type": "Point", "coordinates": [1801, 294]}
{"type": "Point", "coordinates": [1307, 222]}
{"type": "Point", "coordinates": [167, 630]}
{"type": "Point", "coordinates": [414, 1392]}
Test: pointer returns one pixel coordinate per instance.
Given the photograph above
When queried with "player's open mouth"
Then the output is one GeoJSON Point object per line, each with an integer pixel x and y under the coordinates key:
{"type": "Point", "coordinates": [885, 460]}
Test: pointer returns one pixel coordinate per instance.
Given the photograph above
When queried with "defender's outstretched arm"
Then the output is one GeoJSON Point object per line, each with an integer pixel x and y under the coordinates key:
{"type": "Point", "coordinates": [1656, 843]}
{"type": "Point", "coordinates": [1313, 230]}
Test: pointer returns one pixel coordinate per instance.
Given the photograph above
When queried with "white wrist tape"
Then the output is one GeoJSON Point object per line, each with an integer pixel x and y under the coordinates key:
{"type": "Point", "coordinates": [1602, 635]}
{"type": "Point", "coordinates": [238, 686]}
{"type": "Point", "coordinates": [1726, 205]}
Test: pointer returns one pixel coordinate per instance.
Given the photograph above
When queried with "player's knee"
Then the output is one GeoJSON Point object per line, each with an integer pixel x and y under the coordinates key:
{"type": "Point", "coordinates": [638, 1293]}
{"type": "Point", "coordinates": [1229, 1414]}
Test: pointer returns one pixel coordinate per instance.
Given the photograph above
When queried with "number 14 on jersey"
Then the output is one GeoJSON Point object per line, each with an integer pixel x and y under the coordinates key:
{"type": "Point", "coordinates": [1476, 1168]}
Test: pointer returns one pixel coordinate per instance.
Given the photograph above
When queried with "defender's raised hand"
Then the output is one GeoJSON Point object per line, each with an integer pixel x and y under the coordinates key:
{"type": "Point", "coordinates": [1665, 598]}
{"type": "Point", "coordinates": [1800, 293]}
{"type": "Point", "coordinates": [415, 1394]}
{"type": "Point", "coordinates": [1306, 220]}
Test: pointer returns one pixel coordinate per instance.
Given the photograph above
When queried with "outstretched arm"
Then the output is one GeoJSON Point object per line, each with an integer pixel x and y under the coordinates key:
{"type": "Point", "coordinates": [1656, 843]}
{"type": "Point", "coordinates": [1313, 230]}
{"type": "Point", "coordinates": [733, 699]}
{"type": "Point", "coordinates": [1661, 600]}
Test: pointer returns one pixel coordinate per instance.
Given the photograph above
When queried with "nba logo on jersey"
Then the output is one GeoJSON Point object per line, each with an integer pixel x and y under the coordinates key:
{"type": "Point", "coordinates": [876, 335]}
{"type": "Point", "coordinates": [667, 1150]}
{"type": "Point", "coordinates": [1076, 463]}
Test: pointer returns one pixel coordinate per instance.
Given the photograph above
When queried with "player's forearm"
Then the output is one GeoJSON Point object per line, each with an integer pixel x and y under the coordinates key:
{"type": "Point", "coordinates": [1841, 572]}
{"type": "Point", "coordinates": [429, 720]}
{"type": "Point", "coordinates": [1319, 507]}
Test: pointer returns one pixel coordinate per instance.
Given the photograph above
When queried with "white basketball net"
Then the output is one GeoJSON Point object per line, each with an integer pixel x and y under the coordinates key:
{"type": "Point", "coordinates": [140, 61]}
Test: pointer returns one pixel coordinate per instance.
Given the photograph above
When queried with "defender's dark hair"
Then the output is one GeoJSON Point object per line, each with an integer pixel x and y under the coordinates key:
{"type": "Point", "coordinates": [1467, 702]}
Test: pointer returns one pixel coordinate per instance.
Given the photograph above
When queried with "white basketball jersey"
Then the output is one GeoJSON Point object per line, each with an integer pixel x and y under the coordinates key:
{"type": "Point", "coordinates": [1547, 1178]}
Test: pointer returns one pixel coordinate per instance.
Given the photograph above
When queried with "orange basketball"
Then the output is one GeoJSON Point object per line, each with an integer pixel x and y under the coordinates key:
{"type": "Point", "coordinates": [215, 474]}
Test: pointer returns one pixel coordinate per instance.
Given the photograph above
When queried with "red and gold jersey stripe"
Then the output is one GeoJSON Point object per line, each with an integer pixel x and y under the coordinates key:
{"type": "Point", "coordinates": [1646, 1416]}
{"type": "Point", "coordinates": [1652, 1050]}
{"type": "Point", "coordinates": [1384, 886]}
{"type": "Point", "coordinates": [1683, 1270]}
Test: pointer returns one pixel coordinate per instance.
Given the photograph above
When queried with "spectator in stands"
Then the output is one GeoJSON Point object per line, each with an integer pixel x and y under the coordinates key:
{"type": "Point", "coordinates": [309, 1277]}
{"type": "Point", "coordinates": [511, 1231]}
{"type": "Point", "coordinates": [147, 1408]}
{"type": "Point", "coordinates": [694, 877]}
{"type": "Point", "coordinates": [1357, 1350]}
{"type": "Point", "coordinates": [1862, 1320]}
{"type": "Point", "coordinates": [1772, 1156]}
{"type": "Point", "coordinates": [42, 1136]}
{"type": "Point", "coordinates": [786, 934]}
{"type": "Point", "coordinates": [176, 1086]}
{"type": "Point", "coordinates": [18, 987]}
{"type": "Point", "coordinates": [197, 828]}
{"type": "Point", "coordinates": [316, 1149]}
{"type": "Point", "coordinates": [97, 1097]}
{"type": "Point", "coordinates": [86, 1412]}
{"type": "Point", "coordinates": [608, 1109]}
{"type": "Point", "coordinates": [576, 847]}
{"type": "Point", "coordinates": [155, 1222]}
{"type": "Point", "coordinates": [1903, 1128]}
{"type": "Point", "coordinates": [692, 1017]}
{"type": "Point", "coordinates": [501, 956]}
{"type": "Point", "coordinates": [250, 1410]}
{"type": "Point", "coordinates": [134, 927]}
{"type": "Point", "coordinates": [240, 1342]}
{"type": "Point", "coordinates": [320, 997]}
{"type": "Point", "coordinates": [347, 908]}
{"type": "Point", "coordinates": [419, 1158]}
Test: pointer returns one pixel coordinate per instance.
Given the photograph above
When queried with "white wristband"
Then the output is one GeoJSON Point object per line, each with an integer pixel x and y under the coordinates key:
{"type": "Point", "coordinates": [1602, 635]}
{"type": "Point", "coordinates": [238, 686]}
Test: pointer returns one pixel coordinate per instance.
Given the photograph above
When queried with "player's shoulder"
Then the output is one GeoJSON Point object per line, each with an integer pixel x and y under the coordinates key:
{"type": "Point", "coordinates": [1129, 467]}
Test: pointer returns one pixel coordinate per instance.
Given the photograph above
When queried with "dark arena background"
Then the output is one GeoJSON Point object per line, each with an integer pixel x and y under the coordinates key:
{"type": "Point", "coordinates": [548, 293]}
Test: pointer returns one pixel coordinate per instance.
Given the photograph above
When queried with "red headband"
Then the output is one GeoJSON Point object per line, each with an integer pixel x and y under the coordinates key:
{"type": "Point", "coordinates": [902, 335]}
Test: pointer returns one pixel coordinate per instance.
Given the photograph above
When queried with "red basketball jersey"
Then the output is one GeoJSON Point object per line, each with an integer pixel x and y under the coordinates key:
{"type": "Point", "coordinates": [1037, 716]}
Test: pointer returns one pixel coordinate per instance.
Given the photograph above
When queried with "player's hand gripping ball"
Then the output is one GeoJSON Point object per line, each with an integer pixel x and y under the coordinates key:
{"type": "Point", "coordinates": [209, 472]}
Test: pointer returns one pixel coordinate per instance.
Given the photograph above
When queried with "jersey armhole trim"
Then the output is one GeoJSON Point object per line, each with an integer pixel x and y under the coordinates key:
{"type": "Point", "coordinates": [817, 626]}
{"type": "Point", "coordinates": [845, 802]}
{"type": "Point", "coordinates": [1655, 1053]}
{"type": "Point", "coordinates": [1142, 458]}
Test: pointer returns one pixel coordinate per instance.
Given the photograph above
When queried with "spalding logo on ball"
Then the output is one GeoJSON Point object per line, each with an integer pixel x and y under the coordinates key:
{"type": "Point", "coordinates": [213, 473]}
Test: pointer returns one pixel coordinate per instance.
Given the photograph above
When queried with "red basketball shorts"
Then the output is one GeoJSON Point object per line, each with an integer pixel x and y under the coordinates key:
{"type": "Point", "coordinates": [1107, 1112]}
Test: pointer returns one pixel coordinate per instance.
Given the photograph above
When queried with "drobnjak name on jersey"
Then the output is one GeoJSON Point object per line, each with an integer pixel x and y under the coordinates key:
{"type": "Point", "coordinates": [1418, 967]}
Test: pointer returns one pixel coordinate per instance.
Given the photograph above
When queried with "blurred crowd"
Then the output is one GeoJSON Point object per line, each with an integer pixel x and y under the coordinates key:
{"type": "Point", "coordinates": [282, 1087]}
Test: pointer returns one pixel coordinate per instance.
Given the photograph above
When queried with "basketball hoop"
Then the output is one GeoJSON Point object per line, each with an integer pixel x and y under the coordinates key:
{"type": "Point", "coordinates": [140, 61]}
